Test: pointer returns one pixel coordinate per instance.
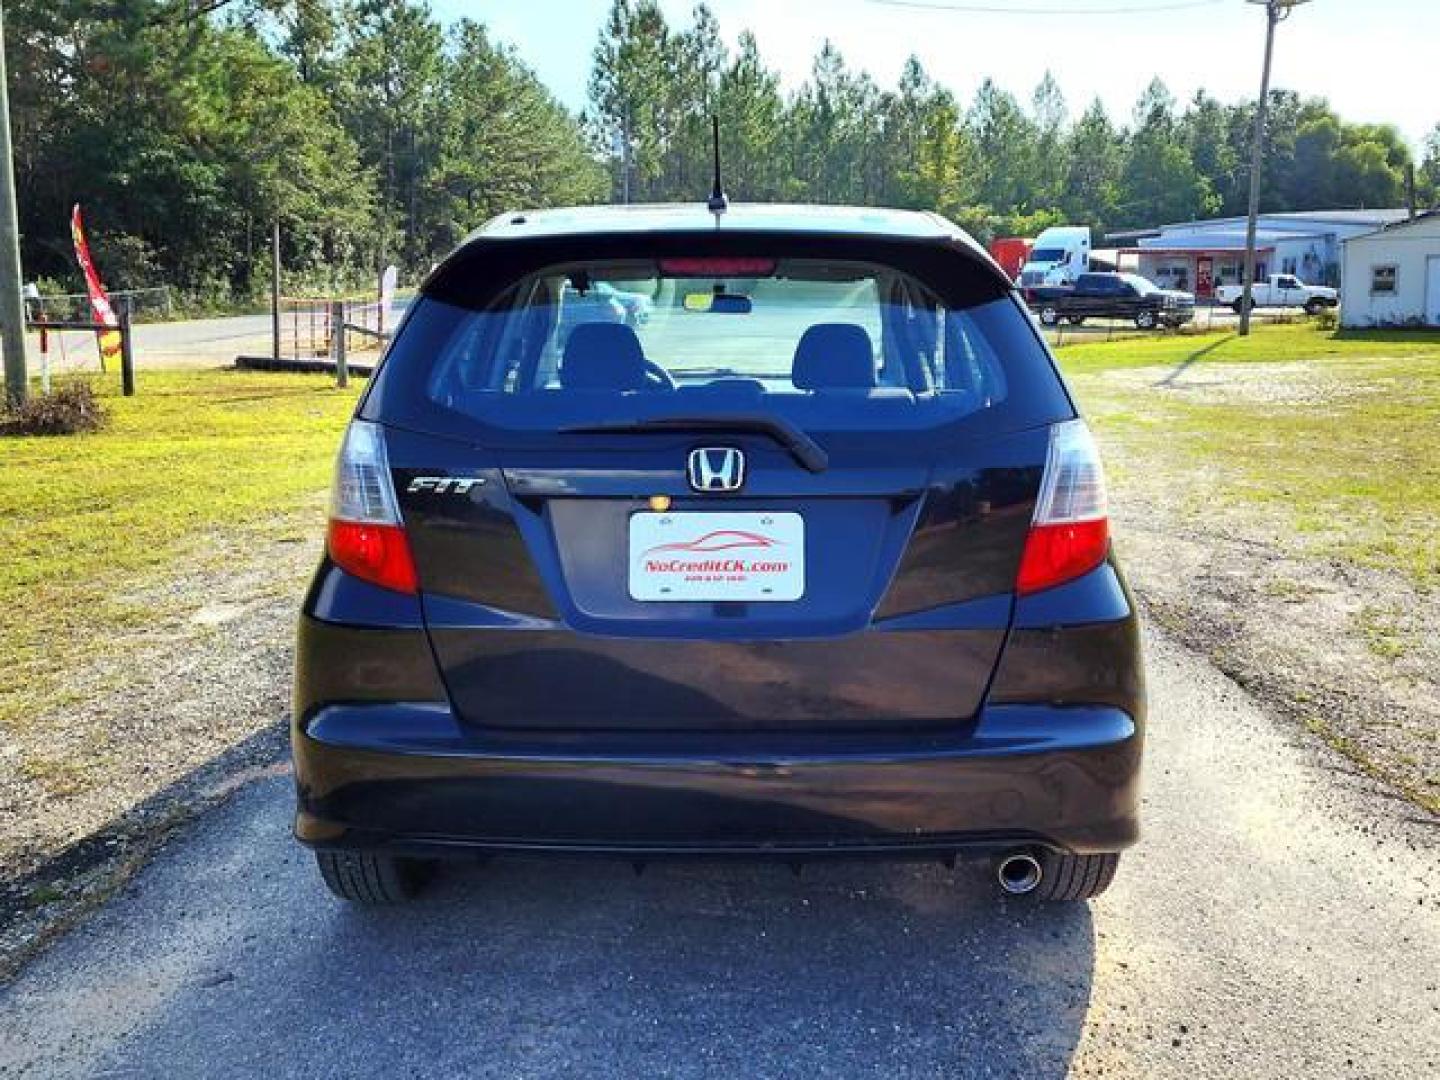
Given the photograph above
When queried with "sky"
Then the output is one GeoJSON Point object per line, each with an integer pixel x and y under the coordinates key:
{"type": "Point", "coordinates": [1375, 60]}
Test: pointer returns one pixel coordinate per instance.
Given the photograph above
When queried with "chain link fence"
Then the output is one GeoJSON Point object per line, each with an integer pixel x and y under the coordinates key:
{"type": "Point", "coordinates": [152, 303]}
{"type": "Point", "coordinates": [1073, 325]}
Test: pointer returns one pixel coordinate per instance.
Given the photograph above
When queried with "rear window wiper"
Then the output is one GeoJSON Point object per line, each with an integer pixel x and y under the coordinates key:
{"type": "Point", "coordinates": [802, 447]}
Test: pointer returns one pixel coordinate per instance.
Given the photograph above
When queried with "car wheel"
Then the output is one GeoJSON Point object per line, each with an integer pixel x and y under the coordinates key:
{"type": "Point", "coordinates": [1076, 320]}
{"type": "Point", "coordinates": [1049, 316]}
{"type": "Point", "coordinates": [1145, 320]}
{"type": "Point", "coordinates": [1065, 877]}
{"type": "Point", "coordinates": [1238, 307]}
{"type": "Point", "coordinates": [1313, 307]}
{"type": "Point", "coordinates": [365, 878]}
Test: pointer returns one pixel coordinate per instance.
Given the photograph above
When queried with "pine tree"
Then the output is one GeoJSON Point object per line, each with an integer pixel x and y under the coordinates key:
{"type": "Point", "coordinates": [1095, 154]}
{"type": "Point", "coordinates": [1005, 145]}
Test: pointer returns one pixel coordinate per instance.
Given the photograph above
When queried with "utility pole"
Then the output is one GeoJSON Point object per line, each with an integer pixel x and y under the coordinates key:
{"type": "Point", "coordinates": [1275, 10]}
{"type": "Point", "coordinates": [12, 304]}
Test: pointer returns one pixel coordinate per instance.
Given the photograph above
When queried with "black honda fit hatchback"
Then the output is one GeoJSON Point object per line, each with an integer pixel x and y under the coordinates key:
{"type": "Point", "coordinates": [812, 561]}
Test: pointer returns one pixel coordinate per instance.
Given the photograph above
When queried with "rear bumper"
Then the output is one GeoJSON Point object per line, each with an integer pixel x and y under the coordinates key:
{"type": "Point", "coordinates": [411, 779]}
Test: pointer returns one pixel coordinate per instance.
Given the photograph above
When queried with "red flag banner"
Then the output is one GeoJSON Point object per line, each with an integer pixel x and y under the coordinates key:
{"type": "Point", "coordinates": [100, 308]}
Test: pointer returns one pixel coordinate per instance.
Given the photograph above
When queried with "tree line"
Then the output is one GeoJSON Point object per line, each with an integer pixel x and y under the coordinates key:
{"type": "Point", "coordinates": [996, 164]}
{"type": "Point", "coordinates": [371, 132]}
{"type": "Point", "coordinates": [374, 134]}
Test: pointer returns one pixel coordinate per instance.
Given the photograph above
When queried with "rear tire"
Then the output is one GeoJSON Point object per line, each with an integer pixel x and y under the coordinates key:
{"type": "Point", "coordinates": [1049, 316]}
{"type": "Point", "coordinates": [365, 878]}
{"type": "Point", "coordinates": [1314, 307]}
{"type": "Point", "coordinates": [1065, 877]}
{"type": "Point", "coordinates": [1076, 320]}
{"type": "Point", "coordinates": [1146, 320]}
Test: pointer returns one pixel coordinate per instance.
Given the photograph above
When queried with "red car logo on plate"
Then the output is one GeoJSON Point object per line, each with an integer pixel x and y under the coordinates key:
{"type": "Point", "coordinates": [719, 540]}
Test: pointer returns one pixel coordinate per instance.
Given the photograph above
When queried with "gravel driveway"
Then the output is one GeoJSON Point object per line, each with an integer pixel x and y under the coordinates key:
{"type": "Point", "coordinates": [1281, 918]}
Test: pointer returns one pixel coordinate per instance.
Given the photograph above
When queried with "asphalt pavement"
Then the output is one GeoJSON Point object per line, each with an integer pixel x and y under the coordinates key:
{"type": "Point", "coordinates": [189, 343]}
{"type": "Point", "coordinates": [1280, 918]}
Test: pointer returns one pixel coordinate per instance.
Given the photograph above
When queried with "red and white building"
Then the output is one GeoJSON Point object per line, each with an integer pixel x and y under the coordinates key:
{"type": "Point", "coordinates": [1199, 256]}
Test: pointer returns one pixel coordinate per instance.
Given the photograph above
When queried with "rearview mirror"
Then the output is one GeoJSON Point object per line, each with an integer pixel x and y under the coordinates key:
{"type": "Point", "coordinates": [718, 303]}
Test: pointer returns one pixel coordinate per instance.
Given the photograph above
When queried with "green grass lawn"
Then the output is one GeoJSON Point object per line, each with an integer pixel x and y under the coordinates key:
{"type": "Point", "coordinates": [201, 464]}
{"type": "Point", "coordinates": [203, 460]}
{"type": "Point", "coordinates": [1267, 344]}
{"type": "Point", "coordinates": [1340, 448]}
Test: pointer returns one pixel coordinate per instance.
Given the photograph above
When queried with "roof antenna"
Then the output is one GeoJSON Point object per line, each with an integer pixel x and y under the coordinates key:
{"type": "Point", "coordinates": [718, 203]}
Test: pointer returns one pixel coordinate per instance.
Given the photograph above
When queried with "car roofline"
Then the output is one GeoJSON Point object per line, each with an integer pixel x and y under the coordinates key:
{"type": "Point", "coordinates": [869, 221]}
{"type": "Point", "coordinates": [864, 223]}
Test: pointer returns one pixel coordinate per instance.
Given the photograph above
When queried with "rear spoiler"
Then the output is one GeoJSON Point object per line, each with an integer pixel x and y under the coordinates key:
{"type": "Point", "coordinates": [954, 266]}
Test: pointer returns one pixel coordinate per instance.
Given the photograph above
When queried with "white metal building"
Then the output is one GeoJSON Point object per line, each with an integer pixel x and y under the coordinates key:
{"type": "Point", "coordinates": [1199, 255]}
{"type": "Point", "coordinates": [1393, 275]}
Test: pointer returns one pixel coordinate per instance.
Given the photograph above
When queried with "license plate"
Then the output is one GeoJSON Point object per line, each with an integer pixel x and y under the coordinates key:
{"type": "Point", "coordinates": [705, 555]}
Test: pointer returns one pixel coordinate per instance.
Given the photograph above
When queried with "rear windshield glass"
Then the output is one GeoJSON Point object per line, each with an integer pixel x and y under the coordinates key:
{"type": "Point", "coordinates": [827, 344]}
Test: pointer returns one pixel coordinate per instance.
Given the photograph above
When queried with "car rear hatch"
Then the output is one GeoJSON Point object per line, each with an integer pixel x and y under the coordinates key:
{"type": "Point", "coordinates": [771, 535]}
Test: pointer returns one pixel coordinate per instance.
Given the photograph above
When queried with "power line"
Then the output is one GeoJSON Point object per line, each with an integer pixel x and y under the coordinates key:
{"type": "Point", "coordinates": [991, 9]}
{"type": "Point", "coordinates": [207, 8]}
{"type": "Point", "coordinates": [186, 13]}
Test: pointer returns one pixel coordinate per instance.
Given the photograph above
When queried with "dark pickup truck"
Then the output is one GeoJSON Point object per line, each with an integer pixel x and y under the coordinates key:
{"type": "Point", "coordinates": [1111, 296]}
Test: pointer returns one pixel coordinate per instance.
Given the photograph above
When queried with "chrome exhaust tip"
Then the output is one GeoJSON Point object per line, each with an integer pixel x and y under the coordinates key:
{"type": "Point", "coordinates": [1018, 873]}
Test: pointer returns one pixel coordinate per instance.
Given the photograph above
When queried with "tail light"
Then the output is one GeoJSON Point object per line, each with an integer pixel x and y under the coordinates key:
{"type": "Point", "coordinates": [1070, 532]}
{"type": "Point", "coordinates": [366, 536]}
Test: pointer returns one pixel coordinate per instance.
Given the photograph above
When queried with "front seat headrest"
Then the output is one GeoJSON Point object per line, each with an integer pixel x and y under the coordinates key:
{"type": "Point", "coordinates": [834, 356]}
{"type": "Point", "coordinates": [603, 356]}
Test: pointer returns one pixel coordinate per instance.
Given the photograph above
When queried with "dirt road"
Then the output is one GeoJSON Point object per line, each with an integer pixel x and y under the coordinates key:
{"type": "Point", "coordinates": [1281, 918]}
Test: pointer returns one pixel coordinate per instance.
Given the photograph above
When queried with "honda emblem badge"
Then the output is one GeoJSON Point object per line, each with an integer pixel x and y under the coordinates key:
{"type": "Point", "coordinates": [716, 468]}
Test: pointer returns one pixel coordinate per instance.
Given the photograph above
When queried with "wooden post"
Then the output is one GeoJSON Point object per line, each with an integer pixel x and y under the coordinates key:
{"type": "Point", "coordinates": [380, 297]}
{"type": "Point", "coordinates": [44, 358]}
{"type": "Point", "coordinates": [337, 342]}
{"type": "Point", "coordinates": [275, 289]}
{"type": "Point", "coordinates": [127, 350]}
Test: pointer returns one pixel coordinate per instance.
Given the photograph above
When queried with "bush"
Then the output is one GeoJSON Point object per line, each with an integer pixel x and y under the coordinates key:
{"type": "Point", "coordinates": [67, 410]}
{"type": "Point", "coordinates": [128, 261]}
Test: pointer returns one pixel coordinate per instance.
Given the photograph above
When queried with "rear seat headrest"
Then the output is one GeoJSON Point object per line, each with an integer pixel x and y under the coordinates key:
{"type": "Point", "coordinates": [834, 356]}
{"type": "Point", "coordinates": [603, 356]}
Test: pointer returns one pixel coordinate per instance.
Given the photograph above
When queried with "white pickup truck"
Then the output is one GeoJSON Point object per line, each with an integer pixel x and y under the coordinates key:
{"type": "Point", "coordinates": [1281, 290]}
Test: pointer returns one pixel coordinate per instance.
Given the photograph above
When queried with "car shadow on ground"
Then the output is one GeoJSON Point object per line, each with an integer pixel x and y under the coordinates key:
{"type": "Point", "coordinates": [227, 957]}
{"type": "Point", "coordinates": [718, 968]}
{"type": "Point", "coordinates": [38, 904]}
